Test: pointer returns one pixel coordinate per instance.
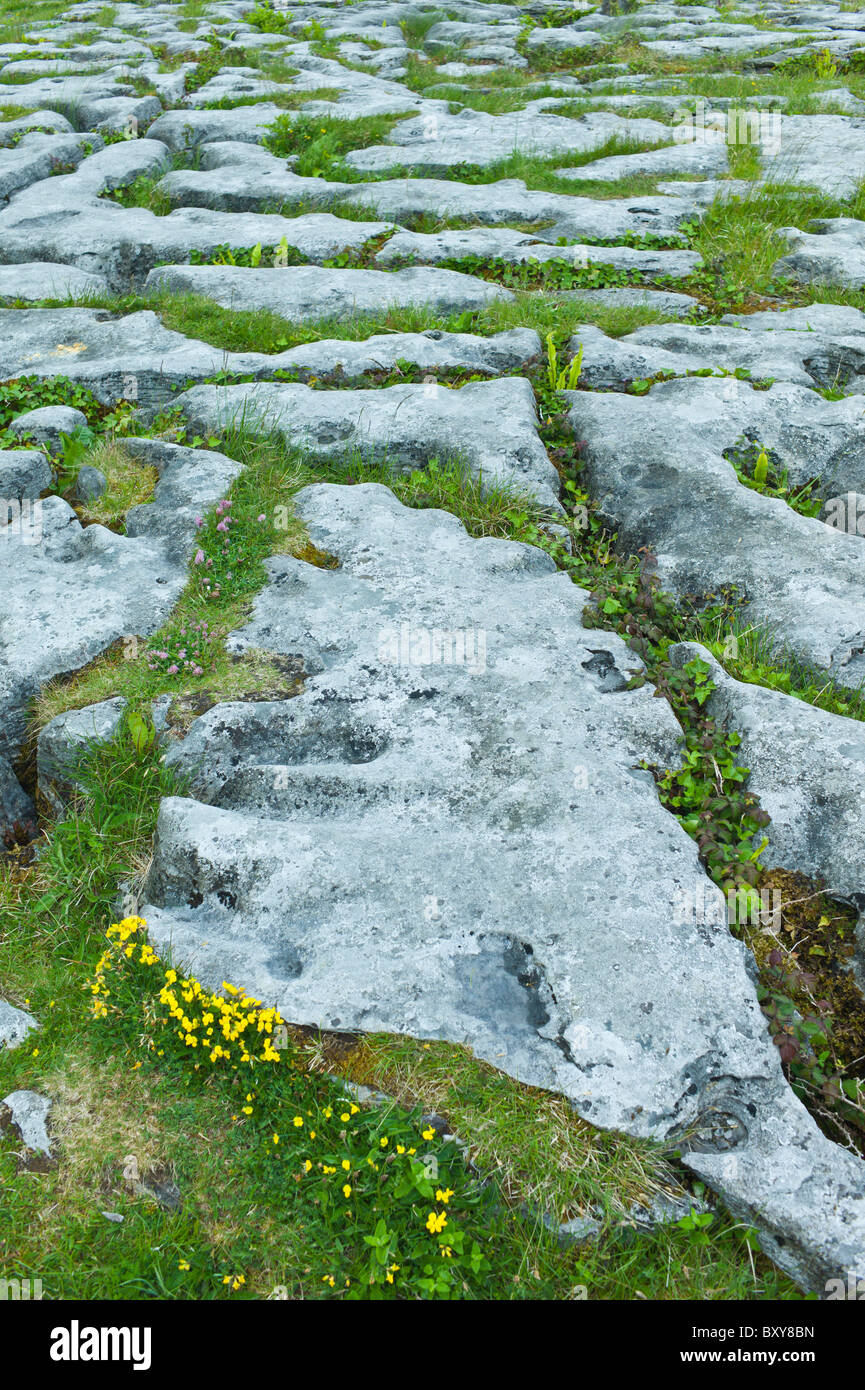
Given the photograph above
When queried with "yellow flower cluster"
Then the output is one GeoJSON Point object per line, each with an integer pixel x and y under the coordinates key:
{"type": "Point", "coordinates": [212, 1021]}
{"type": "Point", "coordinates": [120, 948]}
{"type": "Point", "coordinates": [223, 1027]}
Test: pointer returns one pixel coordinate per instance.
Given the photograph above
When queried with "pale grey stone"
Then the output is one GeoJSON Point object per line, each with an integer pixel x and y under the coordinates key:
{"type": "Point", "coordinates": [35, 158]}
{"type": "Point", "coordinates": [47, 425]}
{"type": "Point", "coordinates": [36, 280]}
{"type": "Point", "coordinates": [807, 768]}
{"type": "Point", "coordinates": [769, 346]}
{"type": "Point", "coordinates": [666, 302]}
{"type": "Point", "coordinates": [490, 936]}
{"type": "Point", "coordinates": [826, 152]}
{"type": "Point", "coordinates": [832, 253]}
{"type": "Point", "coordinates": [124, 244]}
{"type": "Point", "coordinates": [707, 157]}
{"type": "Point", "coordinates": [190, 481]}
{"type": "Point", "coordinates": [23, 473]}
{"type": "Point", "coordinates": [309, 292]}
{"type": "Point", "coordinates": [438, 142]}
{"type": "Point", "coordinates": [518, 247]}
{"type": "Point", "coordinates": [562, 40]}
{"type": "Point", "coordinates": [44, 121]}
{"type": "Point", "coordinates": [491, 425]}
{"type": "Point", "coordinates": [29, 1114]}
{"type": "Point", "coordinates": [136, 358]}
{"type": "Point", "coordinates": [182, 130]}
{"type": "Point", "coordinates": [90, 484]}
{"type": "Point", "coordinates": [15, 1025]}
{"type": "Point", "coordinates": [656, 468]}
{"type": "Point", "coordinates": [63, 739]}
{"type": "Point", "coordinates": [508, 200]}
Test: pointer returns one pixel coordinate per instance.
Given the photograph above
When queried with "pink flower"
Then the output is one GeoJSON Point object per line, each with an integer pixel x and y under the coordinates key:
{"type": "Point", "coordinates": [222, 526]}
{"type": "Point", "coordinates": [199, 557]}
{"type": "Point", "coordinates": [262, 517]}
{"type": "Point", "coordinates": [197, 671]}
{"type": "Point", "coordinates": [199, 521]}
{"type": "Point", "coordinates": [173, 670]}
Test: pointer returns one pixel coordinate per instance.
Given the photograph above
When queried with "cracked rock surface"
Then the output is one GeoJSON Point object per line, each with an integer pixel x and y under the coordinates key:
{"type": "Point", "coordinates": [452, 830]}
{"type": "Point", "coordinates": [292, 861]}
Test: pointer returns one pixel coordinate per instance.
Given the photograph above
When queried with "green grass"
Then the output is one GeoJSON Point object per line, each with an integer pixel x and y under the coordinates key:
{"type": "Point", "coordinates": [739, 243]}
{"type": "Point", "coordinates": [539, 172]}
{"type": "Point", "coordinates": [757, 656]}
{"type": "Point", "coordinates": [20, 16]}
{"type": "Point", "coordinates": [144, 192]}
{"type": "Point", "coordinates": [290, 101]}
{"type": "Point", "coordinates": [416, 27]}
{"type": "Point", "coordinates": [14, 113]}
{"type": "Point", "coordinates": [319, 143]}
{"type": "Point", "coordinates": [261, 489]}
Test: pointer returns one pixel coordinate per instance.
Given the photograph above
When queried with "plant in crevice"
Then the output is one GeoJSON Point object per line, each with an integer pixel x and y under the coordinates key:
{"type": "Point", "coordinates": [566, 378]}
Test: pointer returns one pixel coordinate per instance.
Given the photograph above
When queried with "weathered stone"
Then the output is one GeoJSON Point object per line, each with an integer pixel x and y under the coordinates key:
{"type": "Point", "coordinates": [190, 480]}
{"type": "Point", "coordinates": [44, 121]}
{"type": "Point", "coordinates": [123, 244]}
{"type": "Point", "coordinates": [17, 811]}
{"type": "Point", "coordinates": [832, 254]}
{"type": "Point", "coordinates": [452, 699]}
{"type": "Point", "coordinates": [492, 936]}
{"type": "Point", "coordinates": [181, 130]}
{"type": "Point", "coordinates": [814, 347]}
{"type": "Point", "coordinates": [661, 479]}
{"type": "Point", "coordinates": [64, 739]}
{"type": "Point", "coordinates": [518, 247]}
{"type": "Point", "coordinates": [47, 425]}
{"type": "Point", "coordinates": [227, 182]}
{"type": "Point", "coordinates": [46, 280]}
{"type": "Point", "coordinates": [308, 292]}
{"type": "Point", "coordinates": [697, 157]}
{"type": "Point", "coordinates": [807, 767]}
{"type": "Point", "coordinates": [36, 158]}
{"type": "Point", "coordinates": [23, 473]}
{"type": "Point", "coordinates": [69, 591]}
{"type": "Point", "coordinates": [509, 200]}
{"type": "Point", "coordinates": [15, 1025]}
{"type": "Point", "coordinates": [136, 358]}
{"type": "Point", "coordinates": [90, 484]}
{"type": "Point", "coordinates": [665, 302]}
{"type": "Point", "coordinates": [437, 142]}
{"type": "Point", "coordinates": [29, 1114]}
{"type": "Point", "coordinates": [825, 152]}
{"type": "Point", "coordinates": [491, 425]}
{"type": "Point", "coordinates": [562, 40]}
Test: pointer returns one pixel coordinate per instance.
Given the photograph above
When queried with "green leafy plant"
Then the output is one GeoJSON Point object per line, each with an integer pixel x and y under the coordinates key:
{"type": "Point", "coordinates": [317, 144]}
{"type": "Point", "coordinates": [269, 20]}
{"type": "Point", "coordinates": [566, 379]}
{"type": "Point", "coordinates": [557, 273]}
{"type": "Point", "coordinates": [755, 470]}
{"type": "Point", "coordinates": [185, 649]}
{"type": "Point", "coordinates": [73, 452]}
{"type": "Point", "coordinates": [824, 64]}
{"type": "Point", "coordinates": [249, 257]}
